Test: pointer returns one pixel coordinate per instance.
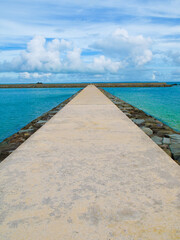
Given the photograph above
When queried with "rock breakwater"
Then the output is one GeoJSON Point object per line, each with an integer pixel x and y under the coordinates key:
{"type": "Point", "coordinates": [164, 136]}
{"type": "Point", "coordinates": [8, 145]}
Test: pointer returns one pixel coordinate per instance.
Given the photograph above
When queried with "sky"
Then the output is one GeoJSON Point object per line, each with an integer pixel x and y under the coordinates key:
{"type": "Point", "coordinates": [89, 41]}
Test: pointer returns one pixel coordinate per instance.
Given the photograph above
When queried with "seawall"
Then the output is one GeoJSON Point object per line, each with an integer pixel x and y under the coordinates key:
{"type": "Point", "coordinates": [89, 173]}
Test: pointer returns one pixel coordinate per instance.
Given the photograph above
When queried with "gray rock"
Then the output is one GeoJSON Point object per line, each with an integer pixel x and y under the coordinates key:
{"type": "Point", "coordinates": [128, 108]}
{"type": "Point", "coordinates": [164, 132]}
{"type": "Point", "coordinates": [59, 108]}
{"type": "Point", "coordinates": [26, 130]}
{"type": "Point", "coordinates": [166, 141]}
{"type": "Point", "coordinates": [150, 120]}
{"type": "Point", "coordinates": [138, 121]}
{"type": "Point", "coordinates": [148, 131]}
{"type": "Point", "coordinates": [128, 114]}
{"type": "Point", "coordinates": [157, 140]}
{"type": "Point", "coordinates": [175, 149]}
{"type": "Point", "coordinates": [175, 138]}
{"type": "Point", "coordinates": [41, 121]}
{"type": "Point", "coordinates": [116, 102]}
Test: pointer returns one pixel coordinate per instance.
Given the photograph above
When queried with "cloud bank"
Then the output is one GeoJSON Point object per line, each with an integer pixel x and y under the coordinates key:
{"type": "Point", "coordinates": [113, 53]}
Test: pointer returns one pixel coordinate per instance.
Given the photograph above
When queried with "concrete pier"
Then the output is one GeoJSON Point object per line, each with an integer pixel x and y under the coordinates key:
{"type": "Point", "coordinates": [89, 174]}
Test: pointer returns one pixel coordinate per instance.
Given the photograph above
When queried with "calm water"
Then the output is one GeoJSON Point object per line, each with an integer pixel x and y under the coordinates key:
{"type": "Point", "coordinates": [20, 106]}
{"type": "Point", "coordinates": [162, 103]}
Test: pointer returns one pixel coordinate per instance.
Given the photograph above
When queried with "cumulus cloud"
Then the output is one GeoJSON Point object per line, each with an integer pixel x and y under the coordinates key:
{"type": "Point", "coordinates": [129, 48]}
{"type": "Point", "coordinates": [40, 55]}
{"type": "Point", "coordinates": [56, 56]}
{"type": "Point", "coordinates": [43, 56]}
{"type": "Point", "coordinates": [141, 59]}
{"type": "Point", "coordinates": [74, 59]}
{"type": "Point", "coordinates": [103, 64]}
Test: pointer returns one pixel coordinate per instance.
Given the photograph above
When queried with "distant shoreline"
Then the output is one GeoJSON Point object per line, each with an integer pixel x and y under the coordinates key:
{"type": "Point", "coordinates": [79, 85]}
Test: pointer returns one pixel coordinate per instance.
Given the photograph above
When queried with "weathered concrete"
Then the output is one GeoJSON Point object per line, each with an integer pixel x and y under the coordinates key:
{"type": "Point", "coordinates": [88, 174]}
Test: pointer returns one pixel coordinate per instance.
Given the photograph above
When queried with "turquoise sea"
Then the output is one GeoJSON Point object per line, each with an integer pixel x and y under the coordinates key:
{"type": "Point", "coordinates": [162, 103]}
{"type": "Point", "coordinates": [19, 106]}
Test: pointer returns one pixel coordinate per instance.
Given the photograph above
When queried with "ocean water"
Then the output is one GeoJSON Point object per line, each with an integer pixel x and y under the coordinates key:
{"type": "Point", "coordinates": [19, 106]}
{"type": "Point", "coordinates": [162, 103]}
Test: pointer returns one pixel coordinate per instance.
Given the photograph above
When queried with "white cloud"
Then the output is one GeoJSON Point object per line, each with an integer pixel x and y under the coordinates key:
{"type": "Point", "coordinates": [74, 59]}
{"type": "Point", "coordinates": [122, 35]}
{"type": "Point", "coordinates": [25, 75]}
{"type": "Point", "coordinates": [103, 64]}
{"type": "Point", "coordinates": [145, 57]}
{"type": "Point", "coordinates": [57, 44]}
{"type": "Point", "coordinates": [36, 75]}
{"type": "Point", "coordinates": [153, 76]}
{"type": "Point", "coordinates": [123, 46]}
{"type": "Point", "coordinates": [40, 56]}
{"type": "Point", "coordinates": [57, 56]}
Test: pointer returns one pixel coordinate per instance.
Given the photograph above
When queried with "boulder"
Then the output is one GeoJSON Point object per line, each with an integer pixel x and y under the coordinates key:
{"type": "Point", "coordinates": [175, 138]}
{"type": "Point", "coordinates": [116, 101]}
{"type": "Point", "coordinates": [148, 131]}
{"type": "Point", "coordinates": [175, 149]}
{"type": "Point", "coordinates": [41, 121]}
{"type": "Point", "coordinates": [150, 124]}
{"type": "Point", "coordinates": [150, 120]}
{"type": "Point", "coordinates": [27, 134]}
{"type": "Point", "coordinates": [128, 108]}
{"type": "Point", "coordinates": [166, 141]}
{"type": "Point", "coordinates": [138, 121]}
{"type": "Point", "coordinates": [157, 140]}
{"type": "Point", "coordinates": [127, 114]}
{"type": "Point", "coordinates": [26, 130]}
{"type": "Point", "coordinates": [163, 132]}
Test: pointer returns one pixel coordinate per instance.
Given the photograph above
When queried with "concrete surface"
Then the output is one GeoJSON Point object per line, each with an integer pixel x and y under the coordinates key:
{"type": "Point", "coordinates": [88, 174]}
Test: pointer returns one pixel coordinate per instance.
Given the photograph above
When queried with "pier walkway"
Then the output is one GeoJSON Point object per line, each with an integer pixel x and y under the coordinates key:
{"type": "Point", "coordinates": [89, 174]}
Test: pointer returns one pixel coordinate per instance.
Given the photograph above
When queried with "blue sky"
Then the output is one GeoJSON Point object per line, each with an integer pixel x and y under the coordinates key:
{"type": "Point", "coordinates": [81, 41]}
